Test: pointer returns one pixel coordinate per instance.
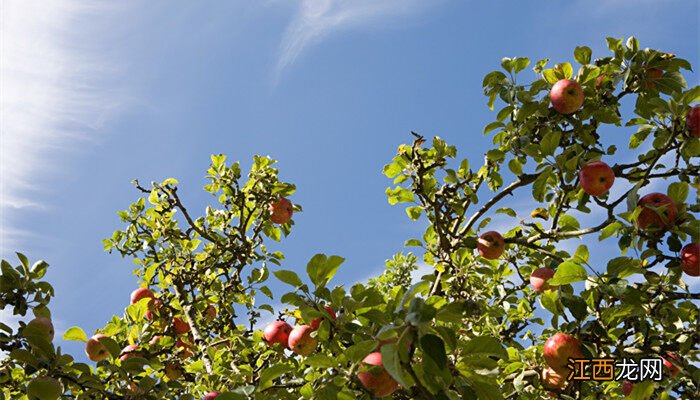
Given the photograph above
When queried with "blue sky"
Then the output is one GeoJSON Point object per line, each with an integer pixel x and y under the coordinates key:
{"type": "Point", "coordinates": [95, 96]}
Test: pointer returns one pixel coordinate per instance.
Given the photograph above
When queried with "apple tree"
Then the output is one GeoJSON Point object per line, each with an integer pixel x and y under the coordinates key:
{"type": "Point", "coordinates": [517, 294]}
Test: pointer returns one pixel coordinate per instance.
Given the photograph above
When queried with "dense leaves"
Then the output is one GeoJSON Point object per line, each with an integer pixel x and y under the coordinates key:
{"type": "Point", "coordinates": [471, 327]}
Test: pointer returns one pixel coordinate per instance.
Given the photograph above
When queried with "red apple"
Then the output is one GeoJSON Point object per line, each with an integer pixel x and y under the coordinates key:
{"type": "Point", "coordinates": [181, 327]}
{"type": "Point", "coordinates": [596, 178]}
{"type": "Point", "coordinates": [673, 370]}
{"type": "Point", "coordinates": [129, 351]}
{"type": "Point", "coordinates": [566, 96]}
{"type": "Point", "coordinates": [301, 341]}
{"type": "Point", "coordinates": [281, 211]}
{"type": "Point", "coordinates": [599, 81]}
{"type": "Point", "coordinates": [539, 278]}
{"type": "Point", "coordinates": [652, 74]}
{"type": "Point", "coordinates": [277, 332]}
{"type": "Point", "coordinates": [316, 322]}
{"type": "Point", "coordinates": [491, 245]}
{"type": "Point", "coordinates": [559, 348]}
{"type": "Point", "coordinates": [155, 340]}
{"type": "Point", "coordinates": [211, 395]}
{"type": "Point", "coordinates": [627, 387]}
{"type": "Point", "coordinates": [95, 350]}
{"type": "Point", "coordinates": [41, 326]}
{"type": "Point", "coordinates": [210, 312]}
{"type": "Point", "coordinates": [184, 348]}
{"type": "Point", "coordinates": [141, 293]}
{"type": "Point", "coordinates": [693, 121]}
{"type": "Point", "coordinates": [375, 378]}
{"type": "Point", "coordinates": [552, 379]}
{"type": "Point", "coordinates": [658, 212]}
{"type": "Point", "coordinates": [173, 370]}
{"type": "Point", "coordinates": [690, 259]}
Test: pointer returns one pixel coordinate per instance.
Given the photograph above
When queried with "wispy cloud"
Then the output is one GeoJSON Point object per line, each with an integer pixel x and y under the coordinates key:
{"type": "Point", "coordinates": [315, 20]}
{"type": "Point", "coordinates": [50, 99]}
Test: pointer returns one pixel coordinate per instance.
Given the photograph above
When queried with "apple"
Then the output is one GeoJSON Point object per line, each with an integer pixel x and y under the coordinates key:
{"type": "Point", "coordinates": [210, 312]}
{"type": "Point", "coordinates": [627, 387]}
{"type": "Point", "coordinates": [566, 96]}
{"type": "Point", "coordinates": [277, 332]}
{"type": "Point", "coordinates": [539, 278]}
{"type": "Point", "coordinates": [301, 341]}
{"type": "Point", "coordinates": [552, 379]}
{"type": "Point", "coordinates": [40, 326]}
{"type": "Point", "coordinates": [181, 327]}
{"type": "Point", "coordinates": [690, 259]}
{"type": "Point", "coordinates": [173, 370]}
{"type": "Point", "coordinates": [281, 211]}
{"type": "Point", "coordinates": [693, 121]}
{"type": "Point", "coordinates": [375, 378]}
{"type": "Point", "coordinates": [141, 293]}
{"type": "Point", "coordinates": [155, 340]}
{"type": "Point", "coordinates": [135, 389]}
{"type": "Point", "coordinates": [44, 388]}
{"type": "Point", "coordinates": [129, 351]}
{"type": "Point", "coordinates": [491, 245]}
{"type": "Point", "coordinates": [652, 74]}
{"type": "Point", "coordinates": [649, 218]}
{"type": "Point", "coordinates": [185, 349]}
{"type": "Point", "coordinates": [95, 350]}
{"type": "Point", "coordinates": [599, 81]}
{"type": "Point", "coordinates": [154, 305]}
{"type": "Point", "coordinates": [596, 178]}
{"type": "Point", "coordinates": [559, 348]}
{"type": "Point", "coordinates": [211, 395]}
{"type": "Point", "coordinates": [317, 321]}
{"type": "Point", "coordinates": [673, 369]}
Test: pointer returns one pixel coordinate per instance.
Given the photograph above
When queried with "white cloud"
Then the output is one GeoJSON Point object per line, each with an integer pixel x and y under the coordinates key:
{"type": "Point", "coordinates": [50, 98]}
{"type": "Point", "coordinates": [317, 19]}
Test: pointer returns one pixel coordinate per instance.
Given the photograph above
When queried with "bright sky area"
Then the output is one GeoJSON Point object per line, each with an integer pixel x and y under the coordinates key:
{"type": "Point", "coordinates": [94, 95]}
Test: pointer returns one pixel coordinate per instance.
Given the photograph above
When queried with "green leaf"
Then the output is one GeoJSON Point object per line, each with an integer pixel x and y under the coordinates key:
{"type": "Point", "coordinates": [520, 63]}
{"type": "Point", "coordinates": [640, 136]}
{"type": "Point", "coordinates": [75, 333]}
{"type": "Point", "coordinates": [288, 277]}
{"type": "Point", "coordinates": [642, 391]}
{"type": "Point", "coordinates": [321, 361]}
{"type": "Point", "coordinates": [515, 166]}
{"type": "Point", "coordinates": [550, 76]}
{"type": "Point", "coordinates": [321, 269]}
{"type": "Point", "coordinates": [550, 142]}
{"type": "Point", "coordinates": [678, 192]}
{"type": "Point", "coordinates": [568, 272]}
{"type": "Point", "coordinates": [492, 126]}
{"type": "Point", "coordinates": [583, 55]}
{"type": "Point", "coordinates": [486, 345]}
{"type": "Point", "coordinates": [399, 195]}
{"type": "Point", "coordinates": [566, 71]}
{"type": "Point", "coordinates": [434, 348]}
{"type": "Point", "coordinates": [549, 300]}
{"type": "Point", "coordinates": [358, 351]}
{"type": "Point", "coordinates": [414, 212]}
{"type": "Point", "coordinates": [413, 242]}
{"type": "Point", "coordinates": [269, 374]}
{"type": "Point", "coordinates": [581, 255]}
{"type": "Point", "coordinates": [392, 362]}
{"type": "Point", "coordinates": [622, 267]}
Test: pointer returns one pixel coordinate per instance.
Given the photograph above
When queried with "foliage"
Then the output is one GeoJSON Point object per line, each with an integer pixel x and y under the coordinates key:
{"type": "Point", "coordinates": [468, 331]}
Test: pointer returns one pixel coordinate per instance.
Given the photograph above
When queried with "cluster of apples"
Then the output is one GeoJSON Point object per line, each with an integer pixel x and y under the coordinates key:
{"type": "Point", "coordinates": [96, 350]}
{"type": "Point", "coordinates": [297, 339]}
